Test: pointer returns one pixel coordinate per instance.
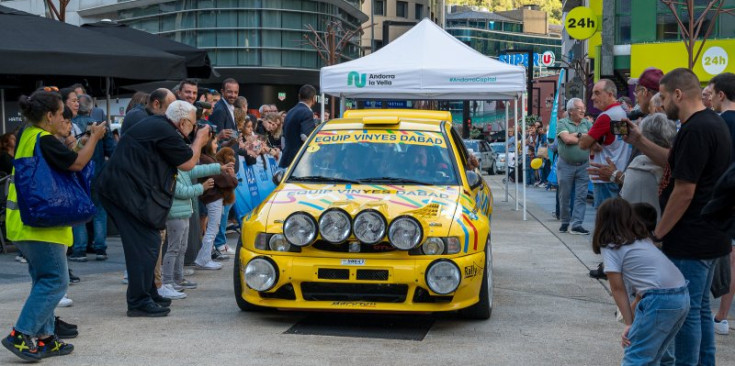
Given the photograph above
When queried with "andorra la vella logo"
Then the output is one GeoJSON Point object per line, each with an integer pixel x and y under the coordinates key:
{"type": "Point", "coordinates": [357, 79]}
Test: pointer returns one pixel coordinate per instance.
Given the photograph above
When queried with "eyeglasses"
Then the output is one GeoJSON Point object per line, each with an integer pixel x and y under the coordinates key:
{"type": "Point", "coordinates": [50, 89]}
{"type": "Point", "coordinates": [640, 90]}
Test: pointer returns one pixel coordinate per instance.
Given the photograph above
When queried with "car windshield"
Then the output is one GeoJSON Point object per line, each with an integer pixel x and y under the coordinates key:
{"type": "Point", "coordinates": [498, 148]}
{"type": "Point", "coordinates": [472, 144]}
{"type": "Point", "coordinates": [376, 156]}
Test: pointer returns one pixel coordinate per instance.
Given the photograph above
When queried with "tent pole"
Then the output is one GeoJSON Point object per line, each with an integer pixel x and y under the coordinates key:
{"type": "Point", "coordinates": [507, 160]}
{"type": "Point", "coordinates": [525, 153]}
{"type": "Point", "coordinates": [321, 115]}
{"type": "Point", "coordinates": [341, 106]}
{"type": "Point", "coordinates": [2, 107]}
{"type": "Point", "coordinates": [107, 93]}
{"type": "Point", "coordinates": [515, 147]}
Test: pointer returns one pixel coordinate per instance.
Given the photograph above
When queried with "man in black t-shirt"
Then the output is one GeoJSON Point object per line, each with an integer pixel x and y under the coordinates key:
{"type": "Point", "coordinates": [136, 188]}
{"type": "Point", "coordinates": [699, 156]}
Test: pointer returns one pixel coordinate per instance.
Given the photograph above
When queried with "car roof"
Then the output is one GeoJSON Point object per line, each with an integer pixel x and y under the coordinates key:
{"type": "Point", "coordinates": [395, 119]}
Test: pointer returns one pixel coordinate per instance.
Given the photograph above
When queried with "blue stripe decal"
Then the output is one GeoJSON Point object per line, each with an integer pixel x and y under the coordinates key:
{"type": "Point", "coordinates": [311, 205]}
{"type": "Point", "coordinates": [466, 235]}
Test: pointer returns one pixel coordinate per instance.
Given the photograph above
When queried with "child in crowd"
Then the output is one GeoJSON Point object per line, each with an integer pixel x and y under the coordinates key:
{"type": "Point", "coordinates": [631, 260]}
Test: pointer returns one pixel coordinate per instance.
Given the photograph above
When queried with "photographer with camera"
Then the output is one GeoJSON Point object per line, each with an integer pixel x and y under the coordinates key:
{"type": "Point", "coordinates": [137, 187]}
{"type": "Point", "coordinates": [104, 149]}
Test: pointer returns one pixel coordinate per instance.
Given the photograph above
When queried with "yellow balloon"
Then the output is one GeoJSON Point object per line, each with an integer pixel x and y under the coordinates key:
{"type": "Point", "coordinates": [536, 163]}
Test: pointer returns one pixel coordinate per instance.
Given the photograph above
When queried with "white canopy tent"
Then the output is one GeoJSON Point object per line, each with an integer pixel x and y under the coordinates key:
{"type": "Point", "coordinates": [427, 63]}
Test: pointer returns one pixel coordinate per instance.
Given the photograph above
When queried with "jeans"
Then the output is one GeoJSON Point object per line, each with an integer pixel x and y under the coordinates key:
{"type": "Point", "coordinates": [603, 191]}
{"type": "Point", "coordinates": [572, 178]}
{"type": "Point", "coordinates": [100, 231]}
{"type": "Point", "coordinates": [173, 260]}
{"type": "Point", "coordinates": [214, 212]}
{"type": "Point", "coordinates": [50, 279]}
{"type": "Point", "coordinates": [530, 177]}
{"type": "Point", "coordinates": [658, 317]}
{"type": "Point", "coordinates": [695, 342]}
{"type": "Point", "coordinates": [221, 239]}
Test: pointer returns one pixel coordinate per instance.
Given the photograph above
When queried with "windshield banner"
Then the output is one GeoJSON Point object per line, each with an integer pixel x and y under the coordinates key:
{"type": "Point", "coordinates": [380, 136]}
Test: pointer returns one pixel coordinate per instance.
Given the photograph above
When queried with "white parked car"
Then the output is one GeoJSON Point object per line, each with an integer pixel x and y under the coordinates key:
{"type": "Point", "coordinates": [484, 154]}
{"type": "Point", "coordinates": [501, 161]}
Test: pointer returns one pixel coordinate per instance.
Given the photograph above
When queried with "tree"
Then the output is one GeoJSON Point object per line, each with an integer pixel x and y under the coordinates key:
{"type": "Point", "coordinates": [691, 28]}
{"type": "Point", "coordinates": [330, 44]}
{"type": "Point", "coordinates": [59, 14]}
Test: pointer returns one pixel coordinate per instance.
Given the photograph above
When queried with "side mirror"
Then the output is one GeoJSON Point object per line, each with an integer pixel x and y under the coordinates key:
{"type": "Point", "coordinates": [278, 176]}
{"type": "Point", "coordinates": [473, 179]}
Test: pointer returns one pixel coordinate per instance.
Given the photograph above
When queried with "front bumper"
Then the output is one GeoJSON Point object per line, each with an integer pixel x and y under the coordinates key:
{"type": "Point", "coordinates": [391, 285]}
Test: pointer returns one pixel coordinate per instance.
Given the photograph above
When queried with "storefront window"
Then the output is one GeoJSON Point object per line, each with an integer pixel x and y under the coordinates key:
{"type": "Point", "coordinates": [622, 21]}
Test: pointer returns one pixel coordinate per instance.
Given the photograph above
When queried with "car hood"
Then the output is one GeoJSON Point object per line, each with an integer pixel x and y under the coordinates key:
{"type": "Point", "coordinates": [428, 204]}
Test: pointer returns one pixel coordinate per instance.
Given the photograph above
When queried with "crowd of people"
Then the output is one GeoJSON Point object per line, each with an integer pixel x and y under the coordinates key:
{"type": "Point", "coordinates": [166, 180]}
{"type": "Point", "coordinates": [654, 166]}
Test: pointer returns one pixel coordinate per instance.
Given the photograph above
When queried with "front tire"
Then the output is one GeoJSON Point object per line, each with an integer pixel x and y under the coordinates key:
{"type": "Point", "coordinates": [236, 275]}
{"type": "Point", "coordinates": [484, 308]}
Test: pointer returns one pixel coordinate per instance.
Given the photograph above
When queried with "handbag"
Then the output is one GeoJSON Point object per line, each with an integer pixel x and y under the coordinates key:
{"type": "Point", "coordinates": [48, 197]}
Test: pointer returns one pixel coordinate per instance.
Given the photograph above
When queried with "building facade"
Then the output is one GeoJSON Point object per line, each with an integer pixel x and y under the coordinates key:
{"type": "Point", "coordinates": [635, 35]}
{"type": "Point", "coordinates": [389, 19]}
{"type": "Point", "coordinates": [260, 43]}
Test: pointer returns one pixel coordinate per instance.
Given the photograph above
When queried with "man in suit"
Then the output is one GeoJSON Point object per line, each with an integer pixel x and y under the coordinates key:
{"type": "Point", "coordinates": [298, 125]}
{"type": "Point", "coordinates": [223, 114]}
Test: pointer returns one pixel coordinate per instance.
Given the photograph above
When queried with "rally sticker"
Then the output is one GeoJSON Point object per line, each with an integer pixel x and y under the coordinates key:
{"type": "Point", "coordinates": [353, 262]}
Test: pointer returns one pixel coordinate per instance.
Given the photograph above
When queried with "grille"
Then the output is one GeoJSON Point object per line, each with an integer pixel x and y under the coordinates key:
{"type": "Point", "coordinates": [285, 292]}
{"type": "Point", "coordinates": [372, 274]}
{"type": "Point", "coordinates": [319, 291]}
{"type": "Point", "coordinates": [431, 209]}
{"type": "Point", "coordinates": [423, 296]}
{"type": "Point", "coordinates": [333, 274]}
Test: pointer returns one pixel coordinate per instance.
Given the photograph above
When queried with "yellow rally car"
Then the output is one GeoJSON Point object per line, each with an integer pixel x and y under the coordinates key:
{"type": "Point", "coordinates": [378, 212]}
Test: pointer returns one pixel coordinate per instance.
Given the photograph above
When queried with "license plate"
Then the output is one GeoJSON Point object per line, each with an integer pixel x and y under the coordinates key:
{"type": "Point", "coordinates": [353, 262]}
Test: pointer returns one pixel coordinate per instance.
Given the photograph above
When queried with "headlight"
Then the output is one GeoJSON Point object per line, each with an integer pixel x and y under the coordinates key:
{"type": "Point", "coordinates": [443, 277]}
{"type": "Point", "coordinates": [278, 243]}
{"type": "Point", "coordinates": [433, 246]}
{"type": "Point", "coordinates": [369, 227]}
{"type": "Point", "coordinates": [300, 229]}
{"type": "Point", "coordinates": [260, 274]}
{"type": "Point", "coordinates": [405, 233]}
{"type": "Point", "coordinates": [334, 226]}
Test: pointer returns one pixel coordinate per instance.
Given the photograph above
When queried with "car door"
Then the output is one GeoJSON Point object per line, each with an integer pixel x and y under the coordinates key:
{"type": "Point", "coordinates": [490, 154]}
{"type": "Point", "coordinates": [485, 162]}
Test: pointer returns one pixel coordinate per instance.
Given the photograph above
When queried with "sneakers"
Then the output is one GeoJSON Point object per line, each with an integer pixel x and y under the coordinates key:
{"type": "Point", "coordinates": [101, 254]}
{"type": "Point", "coordinates": [78, 257]}
{"type": "Point", "coordinates": [225, 249]}
{"type": "Point", "coordinates": [65, 302]}
{"type": "Point", "coordinates": [21, 345]}
{"type": "Point", "coordinates": [722, 327]}
{"type": "Point", "coordinates": [187, 284]}
{"type": "Point", "coordinates": [564, 228]}
{"type": "Point", "coordinates": [150, 310]}
{"type": "Point", "coordinates": [20, 258]}
{"type": "Point", "coordinates": [52, 346]}
{"type": "Point", "coordinates": [168, 292]}
{"type": "Point", "coordinates": [73, 278]}
{"type": "Point", "coordinates": [599, 273]}
{"type": "Point", "coordinates": [64, 330]}
{"type": "Point", "coordinates": [178, 287]}
{"type": "Point", "coordinates": [579, 231]}
{"type": "Point", "coordinates": [218, 256]}
{"type": "Point", "coordinates": [211, 265]}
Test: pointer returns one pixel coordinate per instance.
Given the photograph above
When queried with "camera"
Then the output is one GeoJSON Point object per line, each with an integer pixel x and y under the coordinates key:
{"type": "Point", "coordinates": [201, 106]}
{"type": "Point", "coordinates": [212, 128]}
{"type": "Point", "coordinates": [619, 127]}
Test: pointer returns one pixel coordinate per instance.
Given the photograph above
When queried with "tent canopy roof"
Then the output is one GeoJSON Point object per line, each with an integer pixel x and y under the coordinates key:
{"type": "Point", "coordinates": [424, 63]}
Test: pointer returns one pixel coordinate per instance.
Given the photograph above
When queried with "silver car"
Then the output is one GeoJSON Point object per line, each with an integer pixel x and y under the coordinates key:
{"type": "Point", "coordinates": [484, 154]}
{"type": "Point", "coordinates": [501, 161]}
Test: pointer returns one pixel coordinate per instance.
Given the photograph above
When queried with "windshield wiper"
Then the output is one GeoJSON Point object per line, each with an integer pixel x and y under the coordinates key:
{"type": "Point", "coordinates": [319, 178]}
{"type": "Point", "coordinates": [395, 180]}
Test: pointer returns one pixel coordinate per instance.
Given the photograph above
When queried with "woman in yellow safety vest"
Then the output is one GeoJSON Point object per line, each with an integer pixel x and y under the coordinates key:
{"type": "Point", "coordinates": [43, 247]}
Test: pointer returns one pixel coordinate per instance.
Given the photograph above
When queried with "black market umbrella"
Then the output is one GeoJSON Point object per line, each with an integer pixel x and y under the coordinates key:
{"type": "Point", "coordinates": [32, 45]}
{"type": "Point", "coordinates": [198, 64]}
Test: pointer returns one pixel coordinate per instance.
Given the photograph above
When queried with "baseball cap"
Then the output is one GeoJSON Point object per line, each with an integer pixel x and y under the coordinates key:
{"type": "Point", "coordinates": [650, 78]}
